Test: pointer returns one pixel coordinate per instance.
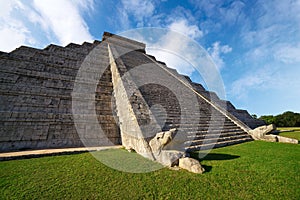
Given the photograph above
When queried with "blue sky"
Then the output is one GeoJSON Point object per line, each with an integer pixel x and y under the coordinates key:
{"type": "Point", "coordinates": [254, 44]}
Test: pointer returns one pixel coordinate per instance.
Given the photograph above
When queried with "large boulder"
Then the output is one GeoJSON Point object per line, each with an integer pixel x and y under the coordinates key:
{"type": "Point", "coordinates": [191, 165]}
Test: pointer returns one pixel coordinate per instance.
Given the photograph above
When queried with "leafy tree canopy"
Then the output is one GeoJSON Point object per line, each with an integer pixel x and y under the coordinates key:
{"type": "Point", "coordinates": [286, 119]}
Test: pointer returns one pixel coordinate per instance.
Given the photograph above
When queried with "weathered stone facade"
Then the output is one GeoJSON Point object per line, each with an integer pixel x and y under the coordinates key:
{"type": "Point", "coordinates": [65, 96]}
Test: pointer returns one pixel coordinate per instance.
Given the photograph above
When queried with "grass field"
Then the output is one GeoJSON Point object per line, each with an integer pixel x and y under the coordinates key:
{"type": "Point", "coordinates": [294, 132]}
{"type": "Point", "coordinates": [253, 170]}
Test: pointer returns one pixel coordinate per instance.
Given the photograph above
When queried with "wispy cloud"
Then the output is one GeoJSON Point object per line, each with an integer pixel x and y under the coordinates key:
{"type": "Point", "coordinates": [139, 9]}
{"type": "Point", "coordinates": [288, 54]}
{"type": "Point", "coordinates": [269, 36]}
{"type": "Point", "coordinates": [13, 31]}
{"type": "Point", "coordinates": [240, 87]}
{"type": "Point", "coordinates": [174, 47]}
{"type": "Point", "coordinates": [67, 26]}
{"type": "Point", "coordinates": [184, 28]}
{"type": "Point", "coordinates": [169, 47]}
{"type": "Point", "coordinates": [216, 52]}
{"type": "Point", "coordinates": [27, 22]}
{"type": "Point", "coordinates": [219, 13]}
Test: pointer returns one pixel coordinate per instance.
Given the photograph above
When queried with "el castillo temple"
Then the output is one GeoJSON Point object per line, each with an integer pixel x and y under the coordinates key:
{"type": "Point", "coordinates": [111, 92]}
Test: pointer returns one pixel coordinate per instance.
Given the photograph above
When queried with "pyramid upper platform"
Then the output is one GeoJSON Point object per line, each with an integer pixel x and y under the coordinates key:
{"type": "Point", "coordinates": [122, 41]}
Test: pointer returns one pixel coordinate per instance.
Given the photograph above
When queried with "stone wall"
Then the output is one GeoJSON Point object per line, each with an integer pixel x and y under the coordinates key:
{"type": "Point", "coordinates": [36, 97]}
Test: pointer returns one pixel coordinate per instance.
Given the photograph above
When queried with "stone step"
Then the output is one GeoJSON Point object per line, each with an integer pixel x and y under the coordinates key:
{"type": "Point", "coordinates": [212, 134]}
{"type": "Point", "coordinates": [201, 127]}
{"type": "Point", "coordinates": [176, 111]}
{"type": "Point", "coordinates": [217, 145]}
{"type": "Point", "coordinates": [215, 140]}
{"type": "Point", "coordinates": [66, 52]}
{"type": "Point", "coordinates": [84, 48]}
{"type": "Point", "coordinates": [186, 113]}
{"type": "Point", "coordinates": [215, 135]}
{"type": "Point", "coordinates": [200, 130]}
{"type": "Point", "coordinates": [201, 120]}
{"type": "Point", "coordinates": [23, 52]}
{"type": "Point", "coordinates": [204, 122]}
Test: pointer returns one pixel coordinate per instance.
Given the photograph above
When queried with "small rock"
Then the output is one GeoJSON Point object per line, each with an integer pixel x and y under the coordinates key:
{"type": "Point", "coordinates": [191, 165]}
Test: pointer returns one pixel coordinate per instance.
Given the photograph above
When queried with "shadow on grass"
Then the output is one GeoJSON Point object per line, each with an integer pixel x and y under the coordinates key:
{"type": "Point", "coordinates": [41, 155]}
{"type": "Point", "coordinates": [207, 168]}
{"type": "Point", "coordinates": [219, 156]}
{"type": "Point", "coordinates": [212, 156]}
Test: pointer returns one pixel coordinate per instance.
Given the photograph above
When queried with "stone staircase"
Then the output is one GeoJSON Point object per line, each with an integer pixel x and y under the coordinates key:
{"type": "Point", "coordinates": [208, 131]}
{"type": "Point", "coordinates": [199, 126]}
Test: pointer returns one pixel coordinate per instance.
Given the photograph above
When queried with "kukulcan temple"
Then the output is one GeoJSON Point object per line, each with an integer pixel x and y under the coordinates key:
{"type": "Point", "coordinates": [111, 92]}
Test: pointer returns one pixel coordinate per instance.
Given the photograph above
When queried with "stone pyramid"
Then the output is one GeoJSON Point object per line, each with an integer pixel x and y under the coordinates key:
{"type": "Point", "coordinates": [109, 92]}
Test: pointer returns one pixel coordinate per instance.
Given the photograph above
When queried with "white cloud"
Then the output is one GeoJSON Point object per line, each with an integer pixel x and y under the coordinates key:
{"type": "Point", "coordinates": [184, 28]}
{"type": "Point", "coordinates": [240, 87]}
{"type": "Point", "coordinates": [140, 9]}
{"type": "Point", "coordinates": [288, 54]}
{"type": "Point", "coordinates": [268, 79]}
{"type": "Point", "coordinates": [218, 10]}
{"type": "Point", "coordinates": [175, 49]}
{"type": "Point", "coordinates": [173, 60]}
{"type": "Point", "coordinates": [216, 52]}
{"type": "Point", "coordinates": [64, 19]}
{"type": "Point", "coordinates": [6, 6]}
{"type": "Point", "coordinates": [18, 35]}
{"type": "Point", "coordinates": [13, 31]}
{"type": "Point", "coordinates": [174, 46]}
{"type": "Point", "coordinates": [168, 45]}
{"type": "Point", "coordinates": [30, 22]}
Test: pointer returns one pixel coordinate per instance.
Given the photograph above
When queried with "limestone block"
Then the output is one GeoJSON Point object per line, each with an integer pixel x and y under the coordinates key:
{"type": "Point", "coordinates": [269, 138]}
{"type": "Point", "coordinates": [169, 158]}
{"type": "Point", "coordinates": [261, 131]}
{"type": "Point", "coordinates": [277, 138]}
{"type": "Point", "coordinates": [191, 165]}
{"type": "Point", "coordinates": [161, 140]}
{"type": "Point", "coordinates": [287, 140]}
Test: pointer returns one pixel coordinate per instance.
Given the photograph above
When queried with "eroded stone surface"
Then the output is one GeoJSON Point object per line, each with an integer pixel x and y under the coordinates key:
{"type": "Point", "coordinates": [191, 165]}
{"type": "Point", "coordinates": [160, 140]}
{"type": "Point", "coordinates": [169, 158]}
{"type": "Point", "coordinates": [262, 133]}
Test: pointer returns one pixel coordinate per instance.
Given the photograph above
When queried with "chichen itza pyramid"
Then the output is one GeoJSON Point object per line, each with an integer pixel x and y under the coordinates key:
{"type": "Point", "coordinates": [109, 92]}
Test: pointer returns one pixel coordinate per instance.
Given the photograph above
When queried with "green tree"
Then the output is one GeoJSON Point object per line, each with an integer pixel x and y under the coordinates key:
{"type": "Point", "coordinates": [254, 116]}
{"type": "Point", "coordinates": [286, 119]}
{"type": "Point", "coordinates": [269, 119]}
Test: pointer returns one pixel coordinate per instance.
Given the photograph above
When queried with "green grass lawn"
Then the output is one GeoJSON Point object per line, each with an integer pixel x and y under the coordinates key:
{"type": "Point", "coordinates": [294, 132]}
{"type": "Point", "coordinates": [253, 170]}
